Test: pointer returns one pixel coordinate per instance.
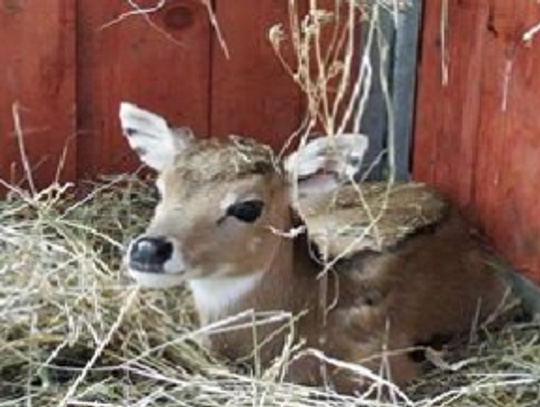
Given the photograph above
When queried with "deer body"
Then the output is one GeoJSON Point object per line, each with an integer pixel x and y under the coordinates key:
{"type": "Point", "coordinates": [434, 285]}
{"type": "Point", "coordinates": [215, 227]}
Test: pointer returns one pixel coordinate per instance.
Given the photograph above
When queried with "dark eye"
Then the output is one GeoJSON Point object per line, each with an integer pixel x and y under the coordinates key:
{"type": "Point", "coordinates": [247, 211]}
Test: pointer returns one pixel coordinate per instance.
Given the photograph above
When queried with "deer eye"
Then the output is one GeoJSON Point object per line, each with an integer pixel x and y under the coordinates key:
{"type": "Point", "coordinates": [246, 211]}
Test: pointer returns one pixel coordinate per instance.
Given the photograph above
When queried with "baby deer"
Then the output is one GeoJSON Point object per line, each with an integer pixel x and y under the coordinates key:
{"type": "Point", "coordinates": [220, 223]}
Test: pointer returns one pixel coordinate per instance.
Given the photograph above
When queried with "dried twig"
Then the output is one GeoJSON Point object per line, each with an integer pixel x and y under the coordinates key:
{"type": "Point", "coordinates": [529, 35]}
{"type": "Point", "coordinates": [19, 134]}
{"type": "Point", "coordinates": [217, 29]}
{"type": "Point", "coordinates": [445, 56]}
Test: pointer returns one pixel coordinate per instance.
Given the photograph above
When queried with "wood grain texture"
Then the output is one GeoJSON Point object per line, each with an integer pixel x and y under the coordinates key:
{"type": "Point", "coordinates": [477, 138]}
{"type": "Point", "coordinates": [508, 198]}
{"type": "Point", "coordinates": [37, 70]}
{"type": "Point", "coordinates": [446, 120]}
{"type": "Point", "coordinates": [162, 65]}
{"type": "Point", "coordinates": [252, 94]}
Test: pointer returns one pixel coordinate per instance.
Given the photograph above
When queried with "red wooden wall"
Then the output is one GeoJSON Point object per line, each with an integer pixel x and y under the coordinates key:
{"type": "Point", "coordinates": [37, 69]}
{"type": "Point", "coordinates": [69, 69]}
{"type": "Point", "coordinates": [478, 137]}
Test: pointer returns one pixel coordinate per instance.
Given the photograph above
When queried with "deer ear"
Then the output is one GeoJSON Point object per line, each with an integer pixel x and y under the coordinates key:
{"type": "Point", "coordinates": [325, 162]}
{"type": "Point", "coordinates": [151, 137]}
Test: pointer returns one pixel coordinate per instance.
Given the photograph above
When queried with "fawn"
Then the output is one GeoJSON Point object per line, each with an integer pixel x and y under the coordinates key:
{"type": "Point", "coordinates": [217, 228]}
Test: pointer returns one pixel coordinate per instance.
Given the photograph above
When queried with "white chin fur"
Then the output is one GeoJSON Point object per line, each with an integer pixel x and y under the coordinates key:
{"type": "Point", "coordinates": [154, 280]}
{"type": "Point", "coordinates": [175, 264]}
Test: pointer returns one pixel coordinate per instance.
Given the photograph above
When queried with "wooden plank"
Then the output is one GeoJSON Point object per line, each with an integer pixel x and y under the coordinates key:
{"type": "Point", "coordinates": [491, 132]}
{"type": "Point", "coordinates": [477, 138]}
{"type": "Point", "coordinates": [447, 114]}
{"type": "Point", "coordinates": [428, 115]}
{"type": "Point", "coordinates": [457, 143]}
{"type": "Point", "coordinates": [38, 71]}
{"type": "Point", "coordinates": [252, 94]}
{"type": "Point", "coordinates": [161, 65]}
{"type": "Point", "coordinates": [508, 167]}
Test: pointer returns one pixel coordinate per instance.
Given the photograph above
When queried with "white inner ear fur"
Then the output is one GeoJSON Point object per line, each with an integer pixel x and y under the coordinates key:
{"type": "Point", "coordinates": [339, 154]}
{"type": "Point", "coordinates": [324, 163]}
{"type": "Point", "coordinates": [320, 184]}
{"type": "Point", "coordinates": [151, 137]}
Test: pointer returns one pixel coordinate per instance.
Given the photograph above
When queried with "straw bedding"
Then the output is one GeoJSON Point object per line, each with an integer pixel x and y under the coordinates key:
{"type": "Point", "coordinates": [74, 330]}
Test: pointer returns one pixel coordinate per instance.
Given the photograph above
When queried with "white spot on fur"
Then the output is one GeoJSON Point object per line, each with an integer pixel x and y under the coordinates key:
{"type": "Point", "coordinates": [229, 199]}
{"type": "Point", "coordinates": [157, 280]}
{"type": "Point", "coordinates": [176, 264]}
{"type": "Point", "coordinates": [214, 295]}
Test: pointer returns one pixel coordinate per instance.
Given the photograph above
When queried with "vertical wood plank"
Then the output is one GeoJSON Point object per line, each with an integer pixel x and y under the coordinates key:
{"type": "Point", "coordinates": [508, 181]}
{"type": "Point", "coordinates": [252, 94]}
{"type": "Point", "coordinates": [161, 65]}
{"type": "Point", "coordinates": [491, 138]}
{"type": "Point", "coordinates": [457, 149]}
{"type": "Point", "coordinates": [429, 103]}
{"type": "Point", "coordinates": [477, 138]}
{"type": "Point", "coordinates": [37, 70]}
{"type": "Point", "coordinates": [447, 114]}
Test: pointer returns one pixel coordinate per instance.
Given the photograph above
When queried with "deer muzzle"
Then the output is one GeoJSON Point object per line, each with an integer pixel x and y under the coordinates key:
{"type": "Point", "coordinates": [155, 262]}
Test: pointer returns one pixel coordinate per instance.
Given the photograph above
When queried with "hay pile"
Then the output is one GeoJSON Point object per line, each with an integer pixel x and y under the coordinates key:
{"type": "Point", "coordinates": [74, 330]}
{"type": "Point", "coordinates": [71, 324]}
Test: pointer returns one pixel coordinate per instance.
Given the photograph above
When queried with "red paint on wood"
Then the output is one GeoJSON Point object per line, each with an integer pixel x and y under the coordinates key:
{"type": "Point", "coordinates": [429, 105]}
{"type": "Point", "coordinates": [477, 138]}
{"type": "Point", "coordinates": [161, 65]}
{"type": "Point", "coordinates": [491, 133]}
{"type": "Point", "coordinates": [252, 94]}
{"type": "Point", "coordinates": [37, 50]}
{"type": "Point", "coordinates": [508, 200]}
{"type": "Point", "coordinates": [447, 115]}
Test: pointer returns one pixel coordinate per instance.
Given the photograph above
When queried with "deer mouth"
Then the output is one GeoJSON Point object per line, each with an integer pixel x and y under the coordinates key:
{"type": "Point", "coordinates": [142, 267]}
{"type": "Point", "coordinates": [156, 280]}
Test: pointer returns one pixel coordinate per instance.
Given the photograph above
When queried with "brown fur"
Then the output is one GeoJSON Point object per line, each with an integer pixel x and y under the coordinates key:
{"type": "Point", "coordinates": [432, 283]}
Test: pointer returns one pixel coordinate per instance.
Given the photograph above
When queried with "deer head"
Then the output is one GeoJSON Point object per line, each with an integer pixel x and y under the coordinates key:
{"type": "Point", "coordinates": [221, 201]}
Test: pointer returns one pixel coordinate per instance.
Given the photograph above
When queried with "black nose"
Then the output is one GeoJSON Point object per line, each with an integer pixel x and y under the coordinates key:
{"type": "Point", "coordinates": [150, 253]}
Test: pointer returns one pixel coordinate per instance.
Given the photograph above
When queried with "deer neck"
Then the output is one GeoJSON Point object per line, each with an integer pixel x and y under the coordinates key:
{"type": "Point", "coordinates": [286, 283]}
